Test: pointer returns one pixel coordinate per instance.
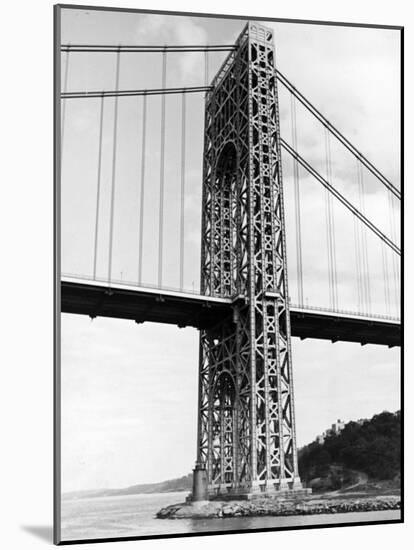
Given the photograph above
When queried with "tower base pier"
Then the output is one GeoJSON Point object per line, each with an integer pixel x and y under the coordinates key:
{"type": "Point", "coordinates": [200, 486]}
{"type": "Point", "coordinates": [285, 489]}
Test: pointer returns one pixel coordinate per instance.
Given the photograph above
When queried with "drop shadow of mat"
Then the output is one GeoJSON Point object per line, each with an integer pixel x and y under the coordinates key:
{"type": "Point", "coordinates": [44, 532]}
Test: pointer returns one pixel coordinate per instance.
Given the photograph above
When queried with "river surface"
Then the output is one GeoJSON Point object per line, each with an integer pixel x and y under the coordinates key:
{"type": "Point", "coordinates": [134, 515]}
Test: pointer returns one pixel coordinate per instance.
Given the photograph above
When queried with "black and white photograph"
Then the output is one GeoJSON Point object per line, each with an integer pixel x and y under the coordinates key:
{"type": "Point", "coordinates": [228, 275]}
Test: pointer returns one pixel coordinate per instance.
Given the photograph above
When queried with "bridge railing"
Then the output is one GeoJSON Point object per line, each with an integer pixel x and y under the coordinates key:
{"type": "Point", "coordinates": [196, 292]}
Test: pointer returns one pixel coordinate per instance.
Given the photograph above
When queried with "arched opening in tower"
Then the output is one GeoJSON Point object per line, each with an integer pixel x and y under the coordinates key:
{"type": "Point", "coordinates": [226, 204]}
{"type": "Point", "coordinates": [224, 426]}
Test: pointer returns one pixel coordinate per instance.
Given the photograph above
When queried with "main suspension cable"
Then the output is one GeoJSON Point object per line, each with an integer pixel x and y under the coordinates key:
{"type": "Point", "coordinates": [112, 48]}
{"type": "Point", "coordinates": [312, 109]}
{"type": "Point", "coordinates": [340, 197]}
{"type": "Point", "coordinates": [128, 93]}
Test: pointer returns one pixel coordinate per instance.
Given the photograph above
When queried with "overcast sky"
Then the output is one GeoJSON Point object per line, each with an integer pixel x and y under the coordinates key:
{"type": "Point", "coordinates": [129, 391]}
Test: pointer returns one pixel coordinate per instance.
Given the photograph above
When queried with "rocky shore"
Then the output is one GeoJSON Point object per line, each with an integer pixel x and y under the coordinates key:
{"type": "Point", "coordinates": [277, 507]}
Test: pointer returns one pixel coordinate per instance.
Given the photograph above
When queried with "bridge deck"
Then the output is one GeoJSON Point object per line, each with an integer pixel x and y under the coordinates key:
{"type": "Point", "coordinates": [184, 309]}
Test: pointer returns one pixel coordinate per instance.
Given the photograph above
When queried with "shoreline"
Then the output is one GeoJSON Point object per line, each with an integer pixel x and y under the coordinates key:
{"type": "Point", "coordinates": [214, 509]}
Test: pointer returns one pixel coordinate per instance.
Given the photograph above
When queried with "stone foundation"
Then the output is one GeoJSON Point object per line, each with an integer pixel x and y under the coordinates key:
{"type": "Point", "coordinates": [277, 507]}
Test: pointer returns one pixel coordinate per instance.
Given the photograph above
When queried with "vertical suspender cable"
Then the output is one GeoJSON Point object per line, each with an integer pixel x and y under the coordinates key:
{"type": "Point", "coordinates": [364, 247]}
{"type": "Point", "coordinates": [162, 168]}
{"type": "Point", "coordinates": [299, 264]}
{"type": "Point", "coordinates": [142, 194]}
{"type": "Point", "coordinates": [395, 270]}
{"type": "Point", "coordinates": [358, 264]}
{"type": "Point", "coordinates": [332, 235]}
{"type": "Point", "coordinates": [386, 278]}
{"type": "Point", "coordinates": [330, 227]}
{"type": "Point", "coordinates": [360, 246]}
{"type": "Point", "coordinates": [98, 186]}
{"type": "Point", "coordinates": [327, 224]}
{"type": "Point", "coordinates": [182, 219]}
{"type": "Point", "coordinates": [206, 76]}
{"type": "Point", "coordinates": [114, 151]}
{"type": "Point", "coordinates": [65, 89]}
{"type": "Point", "coordinates": [357, 237]}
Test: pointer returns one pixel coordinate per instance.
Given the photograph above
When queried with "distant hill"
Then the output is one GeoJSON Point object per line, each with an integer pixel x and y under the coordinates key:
{"type": "Point", "coordinates": [370, 451]}
{"type": "Point", "coordinates": [172, 485]}
{"type": "Point", "coordinates": [183, 483]}
{"type": "Point", "coordinates": [361, 452]}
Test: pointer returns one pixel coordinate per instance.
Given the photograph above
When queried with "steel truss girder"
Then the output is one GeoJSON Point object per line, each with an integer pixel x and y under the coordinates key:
{"type": "Point", "coordinates": [246, 430]}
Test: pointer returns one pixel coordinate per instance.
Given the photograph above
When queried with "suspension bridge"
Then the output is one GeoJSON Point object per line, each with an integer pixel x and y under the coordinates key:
{"type": "Point", "coordinates": [196, 180]}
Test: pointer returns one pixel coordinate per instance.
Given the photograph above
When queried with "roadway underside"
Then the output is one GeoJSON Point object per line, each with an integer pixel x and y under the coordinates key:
{"type": "Point", "coordinates": [181, 309]}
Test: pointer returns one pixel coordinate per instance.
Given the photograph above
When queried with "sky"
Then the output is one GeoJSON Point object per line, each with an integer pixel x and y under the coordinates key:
{"type": "Point", "coordinates": [129, 391]}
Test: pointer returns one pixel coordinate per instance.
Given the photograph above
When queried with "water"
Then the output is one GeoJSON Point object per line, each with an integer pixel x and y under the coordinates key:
{"type": "Point", "coordinates": [134, 515]}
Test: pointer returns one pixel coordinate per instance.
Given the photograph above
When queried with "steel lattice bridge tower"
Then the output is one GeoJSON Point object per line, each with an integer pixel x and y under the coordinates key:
{"type": "Point", "coordinates": [246, 424]}
{"type": "Point", "coordinates": [246, 442]}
